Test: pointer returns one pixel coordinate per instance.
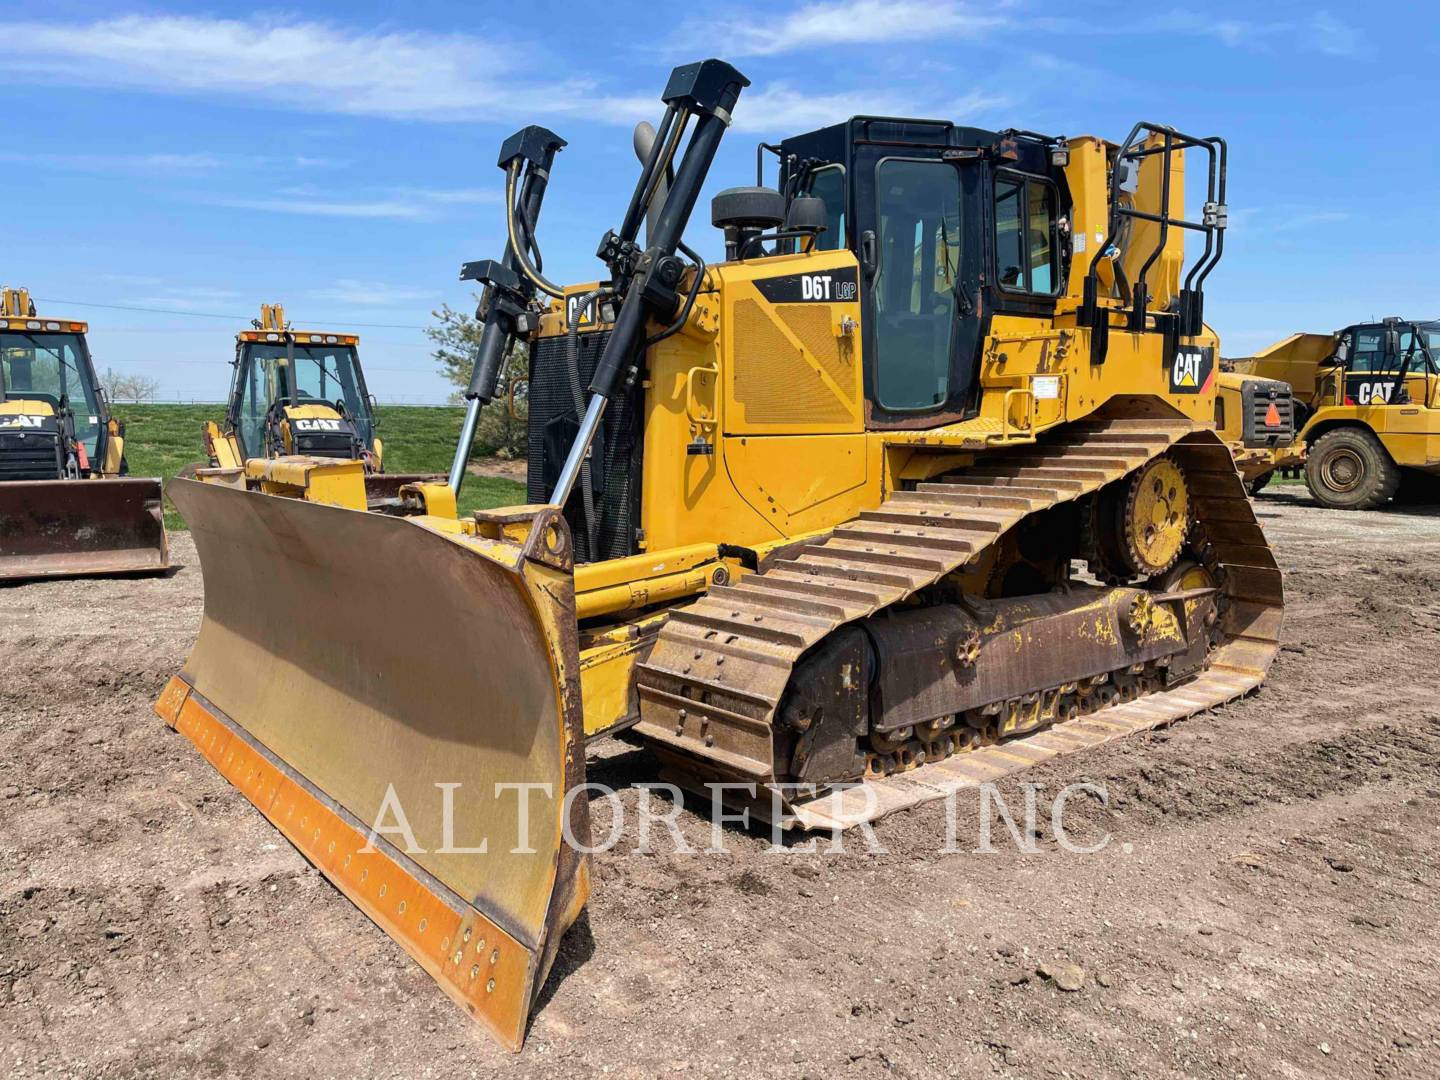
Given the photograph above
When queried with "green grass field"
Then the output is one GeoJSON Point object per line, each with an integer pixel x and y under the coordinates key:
{"type": "Point", "coordinates": [160, 440]}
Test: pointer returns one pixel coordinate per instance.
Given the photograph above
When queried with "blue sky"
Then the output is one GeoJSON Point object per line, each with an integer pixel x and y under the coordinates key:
{"type": "Point", "coordinates": [199, 160]}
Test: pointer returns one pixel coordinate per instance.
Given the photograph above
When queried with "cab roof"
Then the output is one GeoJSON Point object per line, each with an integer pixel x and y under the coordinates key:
{"type": "Point", "coordinates": [45, 324]}
{"type": "Point", "coordinates": [302, 337]}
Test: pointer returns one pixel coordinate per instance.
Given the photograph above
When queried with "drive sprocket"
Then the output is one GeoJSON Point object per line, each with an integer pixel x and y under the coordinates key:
{"type": "Point", "coordinates": [1136, 527]}
{"type": "Point", "coordinates": [1157, 516]}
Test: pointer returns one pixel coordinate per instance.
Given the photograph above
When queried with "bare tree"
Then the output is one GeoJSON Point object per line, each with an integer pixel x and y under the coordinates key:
{"type": "Point", "coordinates": [136, 388]}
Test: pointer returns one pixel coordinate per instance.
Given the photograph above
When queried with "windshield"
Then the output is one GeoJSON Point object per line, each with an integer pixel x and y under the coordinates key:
{"type": "Point", "coordinates": [49, 367]}
{"type": "Point", "coordinates": [321, 374]}
{"type": "Point", "coordinates": [1430, 337]}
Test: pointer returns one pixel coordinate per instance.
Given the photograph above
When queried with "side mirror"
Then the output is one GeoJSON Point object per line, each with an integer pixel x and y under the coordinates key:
{"type": "Point", "coordinates": [1392, 342]}
{"type": "Point", "coordinates": [869, 253]}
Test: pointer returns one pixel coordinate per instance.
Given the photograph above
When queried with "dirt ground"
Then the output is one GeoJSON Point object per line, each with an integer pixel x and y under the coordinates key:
{"type": "Point", "coordinates": [1266, 905]}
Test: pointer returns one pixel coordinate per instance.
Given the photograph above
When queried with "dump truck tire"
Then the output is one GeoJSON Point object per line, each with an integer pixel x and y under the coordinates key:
{"type": "Point", "coordinates": [1348, 469]}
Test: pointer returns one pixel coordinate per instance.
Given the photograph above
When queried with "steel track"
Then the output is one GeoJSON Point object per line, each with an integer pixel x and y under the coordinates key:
{"type": "Point", "coordinates": [711, 685]}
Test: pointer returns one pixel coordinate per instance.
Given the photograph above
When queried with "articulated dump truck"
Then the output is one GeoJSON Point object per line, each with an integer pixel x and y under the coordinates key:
{"type": "Point", "coordinates": [916, 487]}
{"type": "Point", "coordinates": [68, 507]}
{"type": "Point", "coordinates": [299, 395]}
{"type": "Point", "coordinates": [1367, 410]}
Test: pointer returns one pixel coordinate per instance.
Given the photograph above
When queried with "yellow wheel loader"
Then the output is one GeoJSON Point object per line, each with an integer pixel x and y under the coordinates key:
{"type": "Point", "coordinates": [67, 506]}
{"type": "Point", "coordinates": [1368, 410]}
{"type": "Point", "coordinates": [299, 394]}
{"type": "Point", "coordinates": [915, 487]}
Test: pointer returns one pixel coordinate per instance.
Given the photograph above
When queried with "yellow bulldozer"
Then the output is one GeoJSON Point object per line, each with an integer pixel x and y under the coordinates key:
{"type": "Point", "coordinates": [67, 504]}
{"type": "Point", "coordinates": [1368, 410]}
{"type": "Point", "coordinates": [299, 394]}
{"type": "Point", "coordinates": [917, 486]}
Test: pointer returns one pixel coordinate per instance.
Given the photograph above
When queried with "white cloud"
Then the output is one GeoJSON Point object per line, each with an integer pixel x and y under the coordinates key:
{"type": "Point", "coordinates": [397, 204]}
{"type": "Point", "coordinates": [319, 206]}
{"type": "Point", "coordinates": [451, 196]}
{"type": "Point", "coordinates": [186, 297]}
{"type": "Point", "coordinates": [851, 22]}
{"type": "Point", "coordinates": [1322, 32]}
{"type": "Point", "coordinates": [368, 293]}
{"type": "Point", "coordinates": [308, 65]}
{"type": "Point", "coordinates": [782, 109]}
{"type": "Point", "coordinates": [1327, 34]}
{"type": "Point", "coordinates": [327, 68]}
{"type": "Point", "coordinates": [139, 163]}
{"type": "Point", "coordinates": [1236, 33]}
{"type": "Point", "coordinates": [1283, 219]}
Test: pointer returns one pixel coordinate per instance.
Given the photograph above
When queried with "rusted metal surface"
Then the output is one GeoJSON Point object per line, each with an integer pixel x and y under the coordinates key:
{"type": "Point", "coordinates": [71, 528]}
{"type": "Point", "coordinates": [934, 662]}
{"type": "Point", "coordinates": [711, 688]}
{"type": "Point", "coordinates": [385, 487]}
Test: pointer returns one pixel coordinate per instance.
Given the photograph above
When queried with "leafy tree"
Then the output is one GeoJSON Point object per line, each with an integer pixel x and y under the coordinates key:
{"type": "Point", "coordinates": [456, 336]}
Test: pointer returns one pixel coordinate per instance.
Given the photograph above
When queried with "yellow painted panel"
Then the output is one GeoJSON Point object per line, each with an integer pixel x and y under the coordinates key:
{"type": "Point", "coordinates": [803, 482]}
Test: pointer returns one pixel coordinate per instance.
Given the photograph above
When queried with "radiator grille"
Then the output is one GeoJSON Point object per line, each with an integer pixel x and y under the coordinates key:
{"type": "Point", "coordinates": [33, 456]}
{"type": "Point", "coordinates": [326, 444]}
{"type": "Point", "coordinates": [616, 454]}
{"type": "Point", "coordinates": [1257, 397]}
{"type": "Point", "coordinates": [776, 383]}
{"type": "Point", "coordinates": [813, 325]}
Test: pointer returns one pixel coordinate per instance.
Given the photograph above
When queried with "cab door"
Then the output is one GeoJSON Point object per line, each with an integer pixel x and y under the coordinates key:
{"type": "Point", "coordinates": [918, 254]}
{"type": "Point", "coordinates": [1371, 370]}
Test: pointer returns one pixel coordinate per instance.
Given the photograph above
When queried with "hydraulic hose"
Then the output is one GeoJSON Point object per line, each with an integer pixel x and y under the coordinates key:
{"type": "Point", "coordinates": [577, 392]}
{"type": "Point", "coordinates": [522, 257]}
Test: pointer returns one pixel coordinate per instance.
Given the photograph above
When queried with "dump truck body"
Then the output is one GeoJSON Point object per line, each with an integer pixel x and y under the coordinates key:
{"type": "Point", "coordinates": [919, 486]}
{"type": "Point", "coordinates": [67, 507]}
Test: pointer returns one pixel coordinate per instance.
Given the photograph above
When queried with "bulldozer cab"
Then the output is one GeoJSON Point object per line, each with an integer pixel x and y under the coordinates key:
{"type": "Point", "coordinates": [936, 217]}
{"type": "Point", "coordinates": [957, 229]}
{"type": "Point", "coordinates": [45, 371]}
{"type": "Point", "coordinates": [315, 379]}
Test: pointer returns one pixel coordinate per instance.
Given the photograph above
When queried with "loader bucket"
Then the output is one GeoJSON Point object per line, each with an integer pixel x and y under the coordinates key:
{"type": "Point", "coordinates": [71, 528]}
{"type": "Point", "coordinates": [373, 684]}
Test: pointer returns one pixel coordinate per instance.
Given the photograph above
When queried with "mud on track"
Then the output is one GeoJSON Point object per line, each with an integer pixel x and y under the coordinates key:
{"type": "Point", "coordinates": [1266, 904]}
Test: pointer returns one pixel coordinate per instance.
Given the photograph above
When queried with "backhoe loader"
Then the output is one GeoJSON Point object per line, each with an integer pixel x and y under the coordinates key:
{"type": "Point", "coordinates": [67, 506]}
{"type": "Point", "coordinates": [1368, 410]}
{"type": "Point", "coordinates": [917, 486]}
{"type": "Point", "coordinates": [299, 394]}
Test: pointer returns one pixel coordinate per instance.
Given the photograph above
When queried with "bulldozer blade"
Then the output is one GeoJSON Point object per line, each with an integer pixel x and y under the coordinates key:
{"type": "Point", "coordinates": [74, 528]}
{"type": "Point", "coordinates": [403, 703]}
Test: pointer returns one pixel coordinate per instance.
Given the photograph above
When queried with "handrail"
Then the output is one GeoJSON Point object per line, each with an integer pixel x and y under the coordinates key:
{"type": "Point", "coordinates": [1188, 319]}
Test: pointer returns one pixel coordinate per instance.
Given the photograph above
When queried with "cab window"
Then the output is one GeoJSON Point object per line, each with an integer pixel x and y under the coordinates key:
{"type": "Point", "coordinates": [1369, 352]}
{"type": "Point", "coordinates": [1414, 352]}
{"type": "Point", "coordinates": [828, 185]}
{"type": "Point", "coordinates": [1027, 257]}
{"type": "Point", "coordinates": [915, 283]}
{"type": "Point", "coordinates": [52, 368]}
